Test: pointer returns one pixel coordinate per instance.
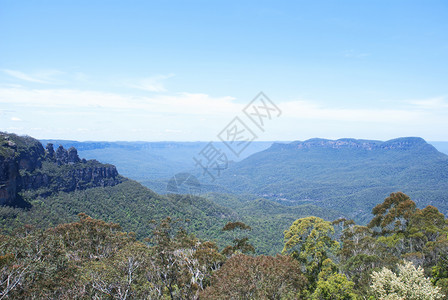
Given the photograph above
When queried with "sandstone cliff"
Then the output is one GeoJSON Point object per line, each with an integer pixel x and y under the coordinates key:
{"type": "Point", "coordinates": [26, 166]}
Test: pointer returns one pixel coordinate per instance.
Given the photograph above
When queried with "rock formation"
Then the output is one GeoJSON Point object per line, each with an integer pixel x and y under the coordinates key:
{"type": "Point", "coordinates": [25, 165]}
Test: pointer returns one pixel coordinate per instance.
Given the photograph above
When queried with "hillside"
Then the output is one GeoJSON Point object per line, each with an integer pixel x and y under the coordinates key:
{"type": "Point", "coordinates": [269, 219]}
{"type": "Point", "coordinates": [43, 188]}
{"type": "Point", "coordinates": [347, 175]}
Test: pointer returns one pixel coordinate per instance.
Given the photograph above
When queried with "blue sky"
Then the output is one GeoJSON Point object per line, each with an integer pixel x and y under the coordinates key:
{"type": "Point", "coordinates": [182, 70]}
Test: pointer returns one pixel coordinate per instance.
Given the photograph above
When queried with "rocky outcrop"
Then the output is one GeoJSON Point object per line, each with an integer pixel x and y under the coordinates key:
{"type": "Point", "coordinates": [49, 152]}
{"type": "Point", "coordinates": [25, 165]}
{"type": "Point", "coordinates": [72, 156]}
{"type": "Point", "coordinates": [338, 144]}
{"type": "Point", "coordinates": [61, 155]}
{"type": "Point", "coordinates": [73, 179]}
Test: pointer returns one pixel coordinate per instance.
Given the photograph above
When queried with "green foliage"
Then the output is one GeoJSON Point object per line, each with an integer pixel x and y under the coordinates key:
{"type": "Point", "coordinates": [400, 231]}
{"type": "Point", "coordinates": [93, 259]}
{"type": "Point", "coordinates": [309, 241]}
{"type": "Point", "coordinates": [128, 203]}
{"type": "Point", "coordinates": [394, 214]}
{"type": "Point", "coordinates": [236, 225]}
{"type": "Point", "coordinates": [334, 287]}
{"type": "Point", "coordinates": [240, 243]}
{"type": "Point", "coordinates": [440, 273]}
{"type": "Point", "coordinates": [267, 219]}
{"type": "Point", "coordinates": [47, 263]}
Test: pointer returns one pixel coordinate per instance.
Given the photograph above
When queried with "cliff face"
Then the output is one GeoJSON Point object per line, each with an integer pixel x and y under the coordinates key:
{"type": "Point", "coordinates": [73, 179]}
{"type": "Point", "coordinates": [8, 181]}
{"type": "Point", "coordinates": [25, 165]}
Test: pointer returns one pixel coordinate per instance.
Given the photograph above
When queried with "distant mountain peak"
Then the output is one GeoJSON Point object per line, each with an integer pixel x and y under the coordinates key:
{"type": "Point", "coordinates": [405, 143]}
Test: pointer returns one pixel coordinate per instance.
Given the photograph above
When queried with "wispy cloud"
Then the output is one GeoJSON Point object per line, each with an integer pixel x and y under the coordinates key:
{"type": "Point", "coordinates": [45, 76]}
{"type": "Point", "coordinates": [206, 105]}
{"type": "Point", "coordinates": [152, 84]}
{"type": "Point", "coordinates": [431, 103]}
{"type": "Point", "coordinates": [23, 76]}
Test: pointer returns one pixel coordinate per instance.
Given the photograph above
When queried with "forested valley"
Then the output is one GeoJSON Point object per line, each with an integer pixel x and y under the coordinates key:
{"type": "Point", "coordinates": [76, 229]}
{"type": "Point", "coordinates": [400, 254]}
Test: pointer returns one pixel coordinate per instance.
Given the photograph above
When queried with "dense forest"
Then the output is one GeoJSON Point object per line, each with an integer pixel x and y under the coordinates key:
{"type": "Point", "coordinates": [75, 229]}
{"type": "Point", "coordinates": [400, 254]}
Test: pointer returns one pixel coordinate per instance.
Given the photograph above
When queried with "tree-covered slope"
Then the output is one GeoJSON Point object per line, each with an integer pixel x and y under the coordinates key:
{"type": "Point", "coordinates": [128, 203]}
{"type": "Point", "coordinates": [347, 175]}
{"type": "Point", "coordinates": [269, 219]}
{"type": "Point", "coordinates": [44, 187]}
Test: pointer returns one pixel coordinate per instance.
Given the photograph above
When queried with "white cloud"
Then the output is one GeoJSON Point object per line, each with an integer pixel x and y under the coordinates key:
{"type": "Point", "coordinates": [44, 76]}
{"type": "Point", "coordinates": [193, 116]}
{"type": "Point", "coordinates": [152, 84]}
{"type": "Point", "coordinates": [431, 103]}
{"type": "Point", "coordinates": [206, 105]}
{"type": "Point", "coordinates": [64, 99]}
{"type": "Point", "coordinates": [16, 119]}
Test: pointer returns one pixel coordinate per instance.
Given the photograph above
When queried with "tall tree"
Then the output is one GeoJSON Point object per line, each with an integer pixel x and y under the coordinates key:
{"type": "Point", "coordinates": [310, 241]}
{"type": "Point", "coordinates": [260, 277]}
{"type": "Point", "coordinates": [394, 214]}
{"type": "Point", "coordinates": [239, 243]}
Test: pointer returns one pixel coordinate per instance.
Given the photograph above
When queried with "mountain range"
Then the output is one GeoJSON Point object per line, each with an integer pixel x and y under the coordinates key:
{"type": "Point", "coordinates": [347, 175]}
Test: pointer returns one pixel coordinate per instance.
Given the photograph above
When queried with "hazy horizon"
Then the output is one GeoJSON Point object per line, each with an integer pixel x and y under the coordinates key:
{"type": "Point", "coordinates": [216, 140]}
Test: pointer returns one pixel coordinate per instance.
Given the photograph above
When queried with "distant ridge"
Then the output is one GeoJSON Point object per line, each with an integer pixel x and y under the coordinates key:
{"type": "Point", "coordinates": [348, 175]}
{"type": "Point", "coordinates": [398, 143]}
